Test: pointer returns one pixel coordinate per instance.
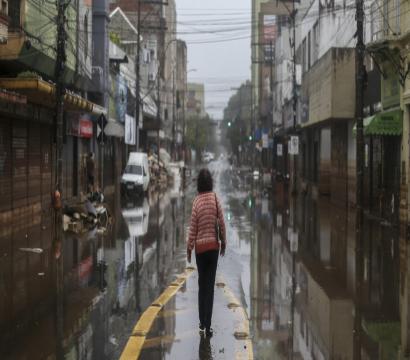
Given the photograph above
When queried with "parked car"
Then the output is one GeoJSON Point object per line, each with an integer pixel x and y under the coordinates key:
{"type": "Point", "coordinates": [208, 157]}
{"type": "Point", "coordinates": [136, 177]}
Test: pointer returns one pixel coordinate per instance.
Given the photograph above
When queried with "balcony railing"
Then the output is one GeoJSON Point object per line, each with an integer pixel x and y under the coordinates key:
{"type": "Point", "coordinates": [385, 19]}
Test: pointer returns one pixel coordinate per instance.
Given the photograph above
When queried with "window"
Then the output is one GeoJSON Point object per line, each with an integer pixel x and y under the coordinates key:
{"type": "Point", "coordinates": [315, 42]}
{"type": "Point", "coordinates": [133, 169]}
{"type": "Point", "coordinates": [309, 54]}
{"type": "Point", "coordinates": [386, 17]}
{"type": "Point", "coordinates": [86, 36]}
{"type": "Point", "coordinates": [397, 22]}
{"type": "Point", "coordinates": [304, 63]}
{"type": "Point", "coordinates": [14, 14]}
{"type": "Point", "coordinates": [3, 7]}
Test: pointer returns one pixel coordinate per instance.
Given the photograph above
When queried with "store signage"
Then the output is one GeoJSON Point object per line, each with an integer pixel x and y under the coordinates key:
{"type": "Point", "coordinates": [81, 126]}
{"type": "Point", "coordinates": [130, 130]}
{"type": "Point", "coordinates": [279, 150]}
{"type": "Point", "coordinates": [294, 145]}
{"type": "Point", "coordinates": [265, 141]}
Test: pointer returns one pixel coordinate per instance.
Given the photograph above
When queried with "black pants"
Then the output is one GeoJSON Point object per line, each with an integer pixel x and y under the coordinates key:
{"type": "Point", "coordinates": [206, 263]}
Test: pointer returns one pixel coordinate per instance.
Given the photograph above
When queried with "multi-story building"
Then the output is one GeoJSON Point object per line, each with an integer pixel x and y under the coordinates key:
{"type": "Point", "coordinates": [195, 106]}
{"type": "Point", "coordinates": [181, 92]}
{"type": "Point", "coordinates": [327, 156]}
{"type": "Point", "coordinates": [159, 48]}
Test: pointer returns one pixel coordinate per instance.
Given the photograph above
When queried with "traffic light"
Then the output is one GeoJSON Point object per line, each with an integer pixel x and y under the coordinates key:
{"type": "Point", "coordinates": [229, 124]}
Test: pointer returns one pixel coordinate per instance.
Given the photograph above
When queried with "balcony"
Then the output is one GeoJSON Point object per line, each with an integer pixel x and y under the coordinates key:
{"type": "Point", "coordinates": [31, 40]}
{"type": "Point", "coordinates": [384, 21]}
{"type": "Point", "coordinates": [329, 87]}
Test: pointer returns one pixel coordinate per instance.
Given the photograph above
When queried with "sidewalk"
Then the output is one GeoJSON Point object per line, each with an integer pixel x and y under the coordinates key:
{"type": "Point", "coordinates": [174, 334]}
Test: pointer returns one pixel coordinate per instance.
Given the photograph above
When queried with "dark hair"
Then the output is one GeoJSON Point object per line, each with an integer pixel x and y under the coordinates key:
{"type": "Point", "coordinates": [204, 182]}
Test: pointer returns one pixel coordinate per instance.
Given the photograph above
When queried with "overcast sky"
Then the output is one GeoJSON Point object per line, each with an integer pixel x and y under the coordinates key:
{"type": "Point", "coordinates": [217, 33]}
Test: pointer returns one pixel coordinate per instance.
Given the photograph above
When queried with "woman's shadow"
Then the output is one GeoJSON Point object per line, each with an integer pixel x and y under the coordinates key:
{"type": "Point", "coordinates": [205, 349]}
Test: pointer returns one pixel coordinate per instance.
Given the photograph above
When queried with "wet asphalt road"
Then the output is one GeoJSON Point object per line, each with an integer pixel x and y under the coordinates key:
{"type": "Point", "coordinates": [109, 280]}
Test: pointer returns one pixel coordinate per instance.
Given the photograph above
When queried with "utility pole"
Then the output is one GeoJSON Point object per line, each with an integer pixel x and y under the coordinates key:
{"type": "Point", "coordinates": [271, 92]}
{"type": "Point", "coordinates": [158, 114]}
{"type": "Point", "coordinates": [137, 79]}
{"type": "Point", "coordinates": [173, 116]}
{"type": "Point", "coordinates": [252, 132]}
{"type": "Point", "coordinates": [294, 182]}
{"type": "Point", "coordinates": [360, 73]}
{"type": "Point", "coordinates": [58, 182]}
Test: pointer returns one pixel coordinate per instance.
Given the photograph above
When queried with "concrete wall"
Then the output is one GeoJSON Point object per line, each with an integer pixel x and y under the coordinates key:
{"type": "Point", "coordinates": [329, 81]}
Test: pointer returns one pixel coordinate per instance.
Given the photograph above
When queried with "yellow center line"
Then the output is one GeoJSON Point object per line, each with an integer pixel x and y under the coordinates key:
{"type": "Point", "coordinates": [138, 336]}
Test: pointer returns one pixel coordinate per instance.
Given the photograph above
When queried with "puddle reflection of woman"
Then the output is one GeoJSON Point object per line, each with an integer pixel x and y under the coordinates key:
{"type": "Point", "coordinates": [206, 218]}
{"type": "Point", "coordinates": [205, 350]}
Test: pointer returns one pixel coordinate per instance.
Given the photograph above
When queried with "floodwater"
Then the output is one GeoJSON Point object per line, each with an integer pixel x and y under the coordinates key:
{"type": "Point", "coordinates": [310, 291]}
{"type": "Point", "coordinates": [80, 300]}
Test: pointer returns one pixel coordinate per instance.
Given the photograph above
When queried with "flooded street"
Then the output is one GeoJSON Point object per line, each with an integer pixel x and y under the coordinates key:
{"type": "Point", "coordinates": [291, 263]}
{"type": "Point", "coordinates": [85, 296]}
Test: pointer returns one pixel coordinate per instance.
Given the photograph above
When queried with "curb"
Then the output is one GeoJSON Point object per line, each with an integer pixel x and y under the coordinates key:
{"type": "Point", "coordinates": [138, 335]}
{"type": "Point", "coordinates": [242, 332]}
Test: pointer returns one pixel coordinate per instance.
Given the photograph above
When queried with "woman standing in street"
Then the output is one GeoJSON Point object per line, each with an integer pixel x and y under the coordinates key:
{"type": "Point", "coordinates": [207, 235]}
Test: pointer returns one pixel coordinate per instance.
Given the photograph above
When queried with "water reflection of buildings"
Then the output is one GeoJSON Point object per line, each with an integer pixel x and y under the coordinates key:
{"type": "Point", "coordinates": [325, 265]}
{"type": "Point", "coordinates": [270, 283]}
{"type": "Point", "coordinates": [328, 279]}
{"type": "Point", "coordinates": [106, 281]}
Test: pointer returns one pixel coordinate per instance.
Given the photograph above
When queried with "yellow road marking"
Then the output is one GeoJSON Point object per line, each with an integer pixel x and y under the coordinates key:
{"type": "Point", "coordinates": [145, 321]}
{"type": "Point", "coordinates": [138, 336]}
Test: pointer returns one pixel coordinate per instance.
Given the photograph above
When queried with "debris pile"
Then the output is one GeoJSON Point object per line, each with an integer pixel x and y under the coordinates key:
{"type": "Point", "coordinates": [88, 215]}
{"type": "Point", "coordinates": [161, 175]}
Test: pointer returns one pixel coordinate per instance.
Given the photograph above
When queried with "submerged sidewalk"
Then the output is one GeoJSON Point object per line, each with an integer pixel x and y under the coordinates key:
{"type": "Point", "coordinates": [168, 329]}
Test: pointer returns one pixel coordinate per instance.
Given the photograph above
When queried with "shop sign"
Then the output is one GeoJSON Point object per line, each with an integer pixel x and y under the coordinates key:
{"type": "Point", "coordinates": [81, 126]}
{"type": "Point", "coordinates": [130, 127]}
{"type": "Point", "coordinates": [265, 141]}
{"type": "Point", "coordinates": [279, 150]}
{"type": "Point", "coordinates": [294, 145]}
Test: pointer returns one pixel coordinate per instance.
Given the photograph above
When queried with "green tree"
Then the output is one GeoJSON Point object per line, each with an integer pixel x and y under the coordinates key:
{"type": "Point", "coordinates": [197, 133]}
{"type": "Point", "coordinates": [238, 116]}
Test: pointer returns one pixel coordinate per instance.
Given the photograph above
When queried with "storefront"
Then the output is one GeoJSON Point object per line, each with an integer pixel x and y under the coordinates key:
{"type": "Point", "coordinates": [78, 146]}
{"type": "Point", "coordinates": [383, 132]}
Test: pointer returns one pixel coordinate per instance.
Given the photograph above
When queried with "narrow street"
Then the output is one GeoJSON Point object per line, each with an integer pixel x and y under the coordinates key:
{"type": "Point", "coordinates": [110, 280]}
{"type": "Point", "coordinates": [120, 118]}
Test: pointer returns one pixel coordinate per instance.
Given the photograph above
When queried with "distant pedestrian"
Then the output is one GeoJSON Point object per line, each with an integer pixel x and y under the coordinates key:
{"type": "Point", "coordinates": [207, 226]}
{"type": "Point", "coordinates": [90, 172]}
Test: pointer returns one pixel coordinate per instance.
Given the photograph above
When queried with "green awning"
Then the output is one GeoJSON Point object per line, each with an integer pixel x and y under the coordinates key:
{"type": "Point", "coordinates": [385, 123]}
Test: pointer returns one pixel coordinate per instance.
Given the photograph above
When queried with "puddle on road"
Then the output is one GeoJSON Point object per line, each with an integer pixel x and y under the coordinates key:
{"type": "Point", "coordinates": [85, 295]}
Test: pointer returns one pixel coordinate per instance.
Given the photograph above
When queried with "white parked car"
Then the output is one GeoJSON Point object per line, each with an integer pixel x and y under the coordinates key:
{"type": "Point", "coordinates": [136, 175]}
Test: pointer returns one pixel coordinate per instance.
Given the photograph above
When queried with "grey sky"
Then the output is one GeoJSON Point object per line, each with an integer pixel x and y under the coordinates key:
{"type": "Point", "coordinates": [220, 65]}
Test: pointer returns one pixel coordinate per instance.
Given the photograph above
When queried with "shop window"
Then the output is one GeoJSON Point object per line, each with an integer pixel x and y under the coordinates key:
{"type": "Point", "coordinates": [14, 15]}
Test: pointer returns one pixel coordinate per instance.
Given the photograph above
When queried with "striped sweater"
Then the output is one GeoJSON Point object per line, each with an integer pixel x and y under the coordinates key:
{"type": "Point", "coordinates": [202, 234]}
